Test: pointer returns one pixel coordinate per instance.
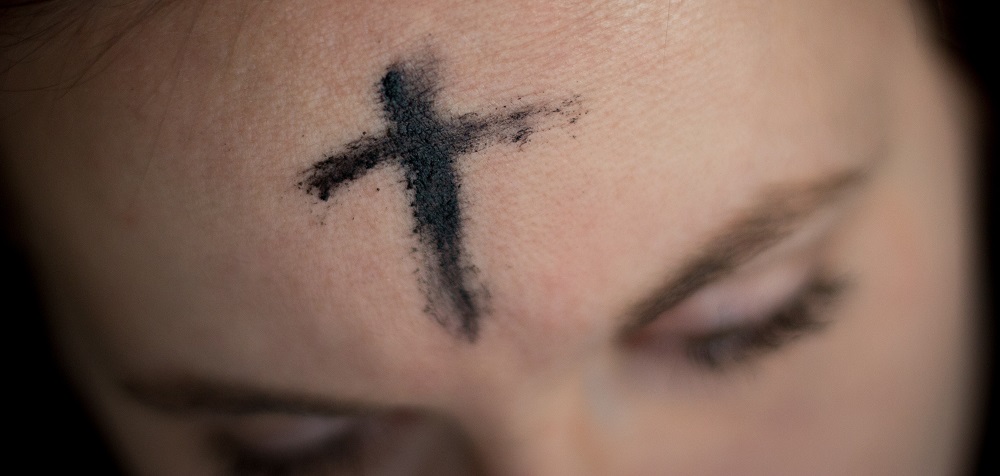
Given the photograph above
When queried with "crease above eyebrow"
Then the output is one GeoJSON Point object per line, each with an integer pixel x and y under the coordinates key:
{"type": "Point", "coordinates": [779, 213]}
{"type": "Point", "coordinates": [190, 395]}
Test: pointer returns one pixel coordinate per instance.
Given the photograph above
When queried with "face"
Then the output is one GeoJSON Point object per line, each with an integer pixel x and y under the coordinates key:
{"type": "Point", "coordinates": [516, 238]}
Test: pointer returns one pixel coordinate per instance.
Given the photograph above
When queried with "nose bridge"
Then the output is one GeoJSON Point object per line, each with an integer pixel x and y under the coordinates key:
{"type": "Point", "coordinates": [545, 433]}
{"type": "Point", "coordinates": [525, 393]}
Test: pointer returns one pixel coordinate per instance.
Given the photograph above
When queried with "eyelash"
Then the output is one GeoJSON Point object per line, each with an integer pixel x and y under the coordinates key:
{"type": "Point", "coordinates": [802, 314]}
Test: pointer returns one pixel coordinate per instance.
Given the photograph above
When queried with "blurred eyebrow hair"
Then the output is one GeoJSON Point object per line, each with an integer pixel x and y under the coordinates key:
{"type": "Point", "coordinates": [779, 213]}
{"type": "Point", "coordinates": [189, 395]}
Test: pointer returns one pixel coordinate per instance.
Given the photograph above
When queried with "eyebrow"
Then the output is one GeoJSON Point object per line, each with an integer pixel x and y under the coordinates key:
{"type": "Point", "coordinates": [190, 395]}
{"type": "Point", "coordinates": [780, 211]}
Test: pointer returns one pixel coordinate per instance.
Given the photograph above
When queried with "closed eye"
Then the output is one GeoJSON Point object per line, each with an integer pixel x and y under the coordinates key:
{"type": "Point", "coordinates": [398, 442]}
{"type": "Point", "coordinates": [804, 313]}
{"type": "Point", "coordinates": [743, 318]}
{"type": "Point", "coordinates": [299, 446]}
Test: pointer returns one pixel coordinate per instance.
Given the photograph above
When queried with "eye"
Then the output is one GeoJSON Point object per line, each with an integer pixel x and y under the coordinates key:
{"type": "Point", "coordinates": [401, 442]}
{"type": "Point", "coordinates": [744, 317]}
{"type": "Point", "coordinates": [296, 445]}
{"type": "Point", "coordinates": [803, 313]}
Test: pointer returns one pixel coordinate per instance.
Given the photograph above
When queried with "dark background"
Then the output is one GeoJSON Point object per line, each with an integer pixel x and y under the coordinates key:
{"type": "Point", "coordinates": [970, 31]}
{"type": "Point", "coordinates": [54, 434]}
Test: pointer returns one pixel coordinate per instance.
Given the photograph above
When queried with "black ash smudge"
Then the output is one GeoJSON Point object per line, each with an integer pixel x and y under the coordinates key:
{"type": "Point", "coordinates": [426, 142]}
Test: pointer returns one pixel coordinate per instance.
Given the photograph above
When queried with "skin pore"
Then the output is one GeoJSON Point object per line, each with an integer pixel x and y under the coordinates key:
{"type": "Point", "coordinates": [750, 256]}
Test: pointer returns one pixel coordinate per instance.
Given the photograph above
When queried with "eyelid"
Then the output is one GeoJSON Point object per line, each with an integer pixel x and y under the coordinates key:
{"type": "Point", "coordinates": [749, 295]}
{"type": "Point", "coordinates": [377, 442]}
{"type": "Point", "coordinates": [801, 313]}
{"type": "Point", "coordinates": [717, 341]}
{"type": "Point", "coordinates": [744, 298]}
{"type": "Point", "coordinates": [283, 434]}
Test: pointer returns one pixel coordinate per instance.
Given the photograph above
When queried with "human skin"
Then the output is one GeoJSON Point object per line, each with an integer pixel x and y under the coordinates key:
{"type": "Point", "coordinates": [157, 185]}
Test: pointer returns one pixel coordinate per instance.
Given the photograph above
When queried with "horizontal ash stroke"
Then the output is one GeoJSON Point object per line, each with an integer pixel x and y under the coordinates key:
{"type": "Point", "coordinates": [463, 135]}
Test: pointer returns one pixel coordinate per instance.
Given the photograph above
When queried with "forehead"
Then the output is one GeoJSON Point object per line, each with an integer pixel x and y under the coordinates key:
{"type": "Point", "coordinates": [178, 219]}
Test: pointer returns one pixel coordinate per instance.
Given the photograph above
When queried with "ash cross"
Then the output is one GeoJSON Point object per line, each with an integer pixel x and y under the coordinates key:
{"type": "Point", "coordinates": [426, 142]}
